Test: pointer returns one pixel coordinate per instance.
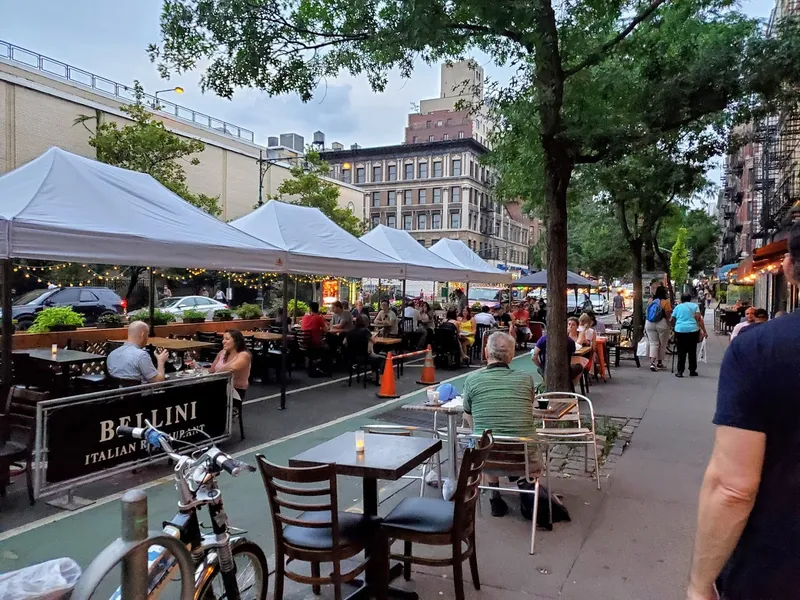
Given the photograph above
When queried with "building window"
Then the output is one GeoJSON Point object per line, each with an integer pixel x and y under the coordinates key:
{"type": "Point", "coordinates": [436, 220]}
{"type": "Point", "coordinates": [422, 221]}
{"type": "Point", "coordinates": [437, 168]}
{"type": "Point", "coordinates": [347, 176]}
{"type": "Point", "coordinates": [438, 123]}
{"type": "Point", "coordinates": [455, 195]}
{"type": "Point", "coordinates": [431, 138]}
{"type": "Point", "coordinates": [461, 135]}
{"type": "Point", "coordinates": [437, 195]}
{"type": "Point", "coordinates": [423, 196]}
{"type": "Point", "coordinates": [407, 222]}
{"type": "Point", "coordinates": [455, 219]}
{"type": "Point", "coordinates": [421, 243]}
{"type": "Point", "coordinates": [407, 198]}
{"type": "Point", "coordinates": [360, 175]}
{"type": "Point", "coordinates": [449, 122]}
{"type": "Point", "coordinates": [376, 198]}
{"type": "Point", "coordinates": [392, 198]}
{"type": "Point", "coordinates": [409, 170]}
{"type": "Point", "coordinates": [456, 170]}
{"type": "Point", "coordinates": [423, 170]}
{"type": "Point", "coordinates": [376, 175]}
{"type": "Point", "coordinates": [434, 240]}
{"type": "Point", "coordinates": [392, 173]}
{"type": "Point", "coordinates": [428, 124]}
{"type": "Point", "coordinates": [391, 221]}
{"type": "Point", "coordinates": [414, 140]}
{"type": "Point", "coordinates": [376, 220]}
{"type": "Point", "coordinates": [445, 137]}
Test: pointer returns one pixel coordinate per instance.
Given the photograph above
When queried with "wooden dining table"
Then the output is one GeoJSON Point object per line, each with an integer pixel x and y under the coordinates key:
{"type": "Point", "coordinates": [177, 345]}
{"type": "Point", "coordinates": [386, 457]}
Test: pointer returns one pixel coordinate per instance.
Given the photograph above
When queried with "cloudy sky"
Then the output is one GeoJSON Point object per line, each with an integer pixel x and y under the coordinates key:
{"type": "Point", "coordinates": [109, 37]}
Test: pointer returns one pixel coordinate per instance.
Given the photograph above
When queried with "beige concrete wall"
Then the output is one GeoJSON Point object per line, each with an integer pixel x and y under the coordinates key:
{"type": "Point", "coordinates": [38, 112]}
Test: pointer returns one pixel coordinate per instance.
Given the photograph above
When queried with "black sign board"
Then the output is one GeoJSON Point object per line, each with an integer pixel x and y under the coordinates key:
{"type": "Point", "coordinates": [82, 438]}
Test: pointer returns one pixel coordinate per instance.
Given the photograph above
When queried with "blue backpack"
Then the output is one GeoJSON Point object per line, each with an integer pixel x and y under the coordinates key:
{"type": "Point", "coordinates": [655, 312]}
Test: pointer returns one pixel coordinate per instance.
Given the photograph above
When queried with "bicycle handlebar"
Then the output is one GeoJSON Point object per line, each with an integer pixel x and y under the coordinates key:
{"type": "Point", "coordinates": [159, 439]}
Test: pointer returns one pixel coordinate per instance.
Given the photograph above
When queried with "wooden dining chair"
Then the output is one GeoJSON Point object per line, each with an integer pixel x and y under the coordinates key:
{"type": "Point", "coordinates": [320, 533]}
{"type": "Point", "coordinates": [18, 436]}
{"type": "Point", "coordinates": [439, 522]}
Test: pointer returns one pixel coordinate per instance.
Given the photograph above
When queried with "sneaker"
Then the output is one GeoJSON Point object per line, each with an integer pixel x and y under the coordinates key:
{"type": "Point", "coordinates": [499, 507]}
{"type": "Point", "coordinates": [678, 374]}
{"type": "Point", "coordinates": [661, 366]}
{"type": "Point", "coordinates": [693, 374]}
{"type": "Point", "coordinates": [653, 368]}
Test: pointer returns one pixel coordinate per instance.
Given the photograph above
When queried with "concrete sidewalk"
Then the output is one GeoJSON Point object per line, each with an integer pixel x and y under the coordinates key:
{"type": "Point", "coordinates": [633, 540]}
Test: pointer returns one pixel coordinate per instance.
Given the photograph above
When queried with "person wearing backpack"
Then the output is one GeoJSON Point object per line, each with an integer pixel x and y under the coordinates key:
{"type": "Point", "coordinates": [656, 327]}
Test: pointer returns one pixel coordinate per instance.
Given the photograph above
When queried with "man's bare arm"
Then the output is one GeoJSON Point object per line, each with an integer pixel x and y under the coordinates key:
{"type": "Point", "coordinates": [727, 496]}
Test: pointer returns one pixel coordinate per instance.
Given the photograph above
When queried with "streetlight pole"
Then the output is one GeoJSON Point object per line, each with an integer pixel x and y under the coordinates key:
{"type": "Point", "coordinates": [177, 89]}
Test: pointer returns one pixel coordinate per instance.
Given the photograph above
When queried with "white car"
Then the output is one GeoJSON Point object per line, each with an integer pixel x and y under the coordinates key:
{"type": "Point", "coordinates": [600, 304]}
{"type": "Point", "coordinates": [177, 304]}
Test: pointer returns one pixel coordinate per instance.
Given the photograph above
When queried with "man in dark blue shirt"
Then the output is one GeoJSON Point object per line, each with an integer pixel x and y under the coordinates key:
{"type": "Point", "coordinates": [748, 529]}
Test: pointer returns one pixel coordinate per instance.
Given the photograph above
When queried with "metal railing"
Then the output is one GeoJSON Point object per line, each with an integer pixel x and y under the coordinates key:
{"type": "Point", "coordinates": [61, 70]}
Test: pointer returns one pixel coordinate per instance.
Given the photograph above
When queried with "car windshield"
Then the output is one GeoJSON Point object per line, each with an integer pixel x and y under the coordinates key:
{"type": "Point", "coordinates": [168, 302]}
{"type": "Point", "coordinates": [484, 294]}
{"type": "Point", "coordinates": [29, 297]}
{"type": "Point", "coordinates": [596, 297]}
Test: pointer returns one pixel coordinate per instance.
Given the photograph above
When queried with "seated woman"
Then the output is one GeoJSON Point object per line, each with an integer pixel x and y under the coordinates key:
{"type": "Point", "coordinates": [587, 336]}
{"type": "Point", "coordinates": [574, 335]}
{"type": "Point", "coordinates": [235, 358]}
{"type": "Point", "coordinates": [358, 344]}
{"type": "Point", "coordinates": [466, 332]}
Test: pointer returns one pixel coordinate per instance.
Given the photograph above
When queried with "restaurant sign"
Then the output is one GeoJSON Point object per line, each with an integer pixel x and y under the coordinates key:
{"type": "Point", "coordinates": [82, 439]}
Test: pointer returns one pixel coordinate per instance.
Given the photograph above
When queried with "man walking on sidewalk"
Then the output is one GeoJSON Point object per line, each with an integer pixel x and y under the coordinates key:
{"type": "Point", "coordinates": [748, 525]}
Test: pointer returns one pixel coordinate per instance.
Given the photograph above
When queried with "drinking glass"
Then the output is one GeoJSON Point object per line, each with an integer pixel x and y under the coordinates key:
{"type": "Point", "coordinates": [359, 437]}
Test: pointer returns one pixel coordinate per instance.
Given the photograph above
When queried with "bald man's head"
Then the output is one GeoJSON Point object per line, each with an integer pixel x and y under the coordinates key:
{"type": "Point", "coordinates": [138, 332]}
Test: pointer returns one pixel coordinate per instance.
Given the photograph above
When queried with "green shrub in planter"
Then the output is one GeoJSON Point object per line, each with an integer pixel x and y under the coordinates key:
{"type": "Point", "coordinates": [159, 317]}
{"type": "Point", "coordinates": [223, 314]}
{"type": "Point", "coordinates": [476, 307]}
{"type": "Point", "coordinates": [57, 318]}
{"type": "Point", "coordinates": [436, 305]}
{"type": "Point", "coordinates": [249, 311]}
{"type": "Point", "coordinates": [323, 310]}
{"type": "Point", "coordinates": [110, 321]}
{"type": "Point", "coordinates": [297, 310]}
{"type": "Point", "coordinates": [193, 316]}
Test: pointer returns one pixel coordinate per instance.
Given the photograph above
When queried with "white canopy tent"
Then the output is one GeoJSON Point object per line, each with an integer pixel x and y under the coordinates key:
{"type": "Point", "coordinates": [315, 244]}
{"type": "Point", "coordinates": [420, 262]}
{"type": "Point", "coordinates": [65, 207]}
{"type": "Point", "coordinates": [479, 271]}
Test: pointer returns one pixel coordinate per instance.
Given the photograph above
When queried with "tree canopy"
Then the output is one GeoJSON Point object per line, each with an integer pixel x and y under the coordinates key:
{"type": "Point", "coordinates": [307, 187]}
{"type": "Point", "coordinates": [593, 80]}
{"type": "Point", "coordinates": [679, 260]}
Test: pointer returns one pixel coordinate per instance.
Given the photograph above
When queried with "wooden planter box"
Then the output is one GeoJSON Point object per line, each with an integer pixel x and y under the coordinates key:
{"type": "Point", "coordinates": [25, 341]}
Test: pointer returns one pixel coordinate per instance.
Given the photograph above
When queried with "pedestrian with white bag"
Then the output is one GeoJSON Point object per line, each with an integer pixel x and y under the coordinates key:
{"type": "Point", "coordinates": [689, 330]}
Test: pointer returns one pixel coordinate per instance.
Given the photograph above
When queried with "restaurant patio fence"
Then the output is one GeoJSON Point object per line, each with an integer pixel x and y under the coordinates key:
{"type": "Point", "coordinates": [76, 441]}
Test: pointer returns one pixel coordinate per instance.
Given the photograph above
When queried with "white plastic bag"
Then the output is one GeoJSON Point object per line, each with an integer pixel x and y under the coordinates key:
{"type": "Point", "coordinates": [641, 349]}
{"type": "Point", "coordinates": [702, 355]}
{"type": "Point", "coordinates": [51, 580]}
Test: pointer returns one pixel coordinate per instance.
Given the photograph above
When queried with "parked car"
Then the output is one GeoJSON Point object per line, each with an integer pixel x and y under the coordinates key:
{"type": "Point", "coordinates": [177, 304]}
{"type": "Point", "coordinates": [600, 304]}
{"type": "Point", "coordinates": [90, 302]}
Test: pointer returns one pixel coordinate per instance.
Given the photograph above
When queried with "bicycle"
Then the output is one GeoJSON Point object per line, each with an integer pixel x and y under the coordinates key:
{"type": "Point", "coordinates": [218, 571]}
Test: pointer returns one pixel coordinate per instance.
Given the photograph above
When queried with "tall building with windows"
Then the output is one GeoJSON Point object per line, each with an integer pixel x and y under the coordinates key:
{"type": "Point", "coordinates": [437, 190]}
{"type": "Point", "coordinates": [452, 115]}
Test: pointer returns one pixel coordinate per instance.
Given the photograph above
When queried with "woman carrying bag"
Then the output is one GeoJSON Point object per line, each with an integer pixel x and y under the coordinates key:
{"type": "Point", "coordinates": [689, 330]}
{"type": "Point", "coordinates": [656, 328]}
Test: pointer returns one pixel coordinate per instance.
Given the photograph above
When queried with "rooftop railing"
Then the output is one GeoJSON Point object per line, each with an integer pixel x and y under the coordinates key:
{"type": "Point", "coordinates": [55, 68]}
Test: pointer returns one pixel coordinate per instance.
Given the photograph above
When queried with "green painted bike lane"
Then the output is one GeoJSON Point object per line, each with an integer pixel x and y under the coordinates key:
{"type": "Point", "coordinates": [81, 536]}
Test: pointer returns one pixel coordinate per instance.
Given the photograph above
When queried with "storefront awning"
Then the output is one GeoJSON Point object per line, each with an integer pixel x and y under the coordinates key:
{"type": "Point", "coordinates": [771, 252]}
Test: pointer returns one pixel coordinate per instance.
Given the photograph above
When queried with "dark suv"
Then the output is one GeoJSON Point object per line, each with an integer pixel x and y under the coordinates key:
{"type": "Point", "coordinates": [90, 302]}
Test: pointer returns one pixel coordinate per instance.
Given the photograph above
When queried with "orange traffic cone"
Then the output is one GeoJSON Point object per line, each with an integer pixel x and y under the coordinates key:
{"type": "Point", "coordinates": [388, 389]}
{"type": "Point", "coordinates": [428, 371]}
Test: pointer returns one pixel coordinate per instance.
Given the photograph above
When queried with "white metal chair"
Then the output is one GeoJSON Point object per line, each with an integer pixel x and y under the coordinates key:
{"type": "Point", "coordinates": [569, 428]}
{"type": "Point", "coordinates": [510, 458]}
{"type": "Point", "coordinates": [408, 431]}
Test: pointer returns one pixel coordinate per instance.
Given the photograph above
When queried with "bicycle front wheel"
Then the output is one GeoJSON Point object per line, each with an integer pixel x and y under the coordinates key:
{"type": "Point", "coordinates": [252, 575]}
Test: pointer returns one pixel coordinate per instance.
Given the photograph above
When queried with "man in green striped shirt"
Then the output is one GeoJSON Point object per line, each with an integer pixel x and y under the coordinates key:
{"type": "Point", "coordinates": [501, 399]}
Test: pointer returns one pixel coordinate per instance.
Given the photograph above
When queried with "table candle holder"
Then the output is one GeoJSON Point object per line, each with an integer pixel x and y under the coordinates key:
{"type": "Point", "coordinates": [54, 349]}
{"type": "Point", "coordinates": [359, 438]}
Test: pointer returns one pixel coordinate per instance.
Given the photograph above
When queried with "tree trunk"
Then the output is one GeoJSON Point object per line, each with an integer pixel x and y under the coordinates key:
{"type": "Point", "coordinates": [663, 261]}
{"type": "Point", "coordinates": [135, 272]}
{"type": "Point", "coordinates": [638, 313]}
{"type": "Point", "coordinates": [557, 174]}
